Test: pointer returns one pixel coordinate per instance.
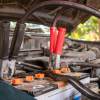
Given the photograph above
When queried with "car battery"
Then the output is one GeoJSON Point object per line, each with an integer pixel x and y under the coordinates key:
{"type": "Point", "coordinates": [65, 93]}
{"type": "Point", "coordinates": [47, 89]}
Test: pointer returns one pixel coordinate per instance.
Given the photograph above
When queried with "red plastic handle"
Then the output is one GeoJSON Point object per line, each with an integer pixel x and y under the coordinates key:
{"type": "Point", "coordinates": [60, 40]}
{"type": "Point", "coordinates": [53, 38]}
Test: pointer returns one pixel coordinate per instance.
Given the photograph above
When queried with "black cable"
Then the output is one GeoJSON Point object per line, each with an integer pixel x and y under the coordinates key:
{"type": "Point", "coordinates": [62, 3]}
{"type": "Point", "coordinates": [76, 84]}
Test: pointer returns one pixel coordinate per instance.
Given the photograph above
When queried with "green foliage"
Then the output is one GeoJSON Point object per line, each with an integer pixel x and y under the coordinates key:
{"type": "Point", "coordinates": [83, 30]}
